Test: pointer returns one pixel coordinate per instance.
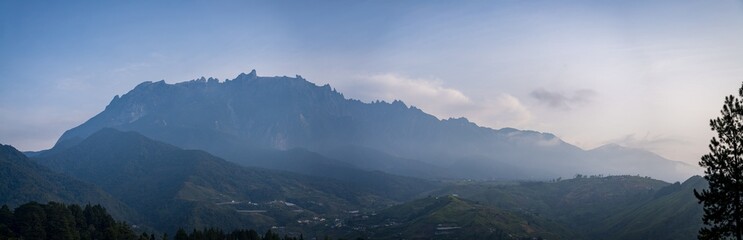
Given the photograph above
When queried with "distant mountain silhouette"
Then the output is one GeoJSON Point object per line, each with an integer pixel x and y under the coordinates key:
{"type": "Point", "coordinates": [616, 159]}
{"type": "Point", "coordinates": [234, 118]}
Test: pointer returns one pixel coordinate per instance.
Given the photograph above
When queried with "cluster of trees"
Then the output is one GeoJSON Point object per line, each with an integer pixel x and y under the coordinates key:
{"type": "Point", "coordinates": [33, 220]}
{"type": "Point", "coordinates": [218, 234]}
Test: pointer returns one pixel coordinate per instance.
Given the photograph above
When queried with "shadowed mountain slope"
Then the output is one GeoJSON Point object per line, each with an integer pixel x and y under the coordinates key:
{"type": "Point", "coordinates": [23, 180]}
{"type": "Point", "coordinates": [191, 188]}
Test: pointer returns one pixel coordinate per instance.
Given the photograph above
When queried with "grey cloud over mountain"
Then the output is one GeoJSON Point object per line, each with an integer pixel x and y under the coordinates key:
{"type": "Point", "coordinates": [559, 100]}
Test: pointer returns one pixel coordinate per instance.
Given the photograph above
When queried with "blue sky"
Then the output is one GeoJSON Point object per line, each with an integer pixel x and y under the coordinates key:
{"type": "Point", "coordinates": [645, 74]}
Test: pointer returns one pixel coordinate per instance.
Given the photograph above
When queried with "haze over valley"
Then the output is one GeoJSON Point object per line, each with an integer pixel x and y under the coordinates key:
{"type": "Point", "coordinates": [283, 152]}
{"type": "Point", "coordinates": [368, 119]}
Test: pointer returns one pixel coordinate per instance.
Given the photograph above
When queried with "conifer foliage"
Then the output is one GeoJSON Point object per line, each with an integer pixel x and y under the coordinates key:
{"type": "Point", "coordinates": [33, 221]}
{"type": "Point", "coordinates": [723, 200]}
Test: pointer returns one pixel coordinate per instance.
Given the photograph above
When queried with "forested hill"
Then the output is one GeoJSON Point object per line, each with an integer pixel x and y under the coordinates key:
{"type": "Point", "coordinates": [172, 187]}
{"type": "Point", "coordinates": [23, 180]}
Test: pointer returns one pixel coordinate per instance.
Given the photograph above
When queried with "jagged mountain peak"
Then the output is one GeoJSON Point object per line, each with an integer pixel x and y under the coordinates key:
{"type": "Point", "coordinates": [150, 84]}
{"type": "Point", "coordinates": [243, 76]}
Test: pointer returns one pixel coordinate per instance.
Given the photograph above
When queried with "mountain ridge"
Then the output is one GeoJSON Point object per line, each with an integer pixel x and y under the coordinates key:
{"type": "Point", "coordinates": [283, 113]}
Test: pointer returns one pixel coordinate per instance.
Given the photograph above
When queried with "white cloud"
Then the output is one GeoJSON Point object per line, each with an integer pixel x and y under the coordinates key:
{"type": "Point", "coordinates": [503, 110]}
{"type": "Point", "coordinates": [500, 110]}
{"type": "Point", "coordinates": [391, 87]}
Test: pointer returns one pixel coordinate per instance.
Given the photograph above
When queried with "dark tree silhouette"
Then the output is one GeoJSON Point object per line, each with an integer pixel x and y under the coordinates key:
{"type": "Point", "coordinates": [723, 200]}
{"type": "Point", "coordinates": [181, 234]}
{"type": "Point", "coordinates": [59, 221]}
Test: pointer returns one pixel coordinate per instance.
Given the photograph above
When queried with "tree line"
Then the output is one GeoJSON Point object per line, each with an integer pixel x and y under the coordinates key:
{"type": "Point", "coordinates": [59, 221]}
{"type": "Point", "coordinates": [218, 234]}
{"type": "Point", "coordinates": [32, 221]}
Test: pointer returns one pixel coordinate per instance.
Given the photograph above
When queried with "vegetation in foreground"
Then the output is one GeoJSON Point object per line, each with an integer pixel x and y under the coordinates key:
{"type": "Point", "coordinates": [60, 221]}
{"type": "Point", "coordinates": [723, 200]}
{"type": "Point", "coordinates": [54, 220]}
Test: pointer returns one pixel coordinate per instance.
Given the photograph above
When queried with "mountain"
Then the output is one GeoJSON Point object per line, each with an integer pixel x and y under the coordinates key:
{"type": "Point", "coordinates": [174, 188]}
{"type": "Point", "coordinates": [232, 119]}
{"type": "Point", "coordinates": [23, 180]}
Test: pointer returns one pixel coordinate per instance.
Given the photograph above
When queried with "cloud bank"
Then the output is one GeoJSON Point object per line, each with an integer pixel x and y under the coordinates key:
{"type": "Point", "coordinates": [499, 110]}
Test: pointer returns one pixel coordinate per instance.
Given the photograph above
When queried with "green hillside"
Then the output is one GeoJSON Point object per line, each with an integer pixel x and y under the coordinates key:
{"type": "Point", "coordinates": [175, 188]}
{"type": "Point", "coordinates": [451, 217]}
{"type": "Point", "coordinates": [672, 214]}
{"type": "Point", "coordinates": [22, 180]}
{"type": "Point", "coordinates": [619, 207]}
{"type": "Point", "coordinates": [578, 201]}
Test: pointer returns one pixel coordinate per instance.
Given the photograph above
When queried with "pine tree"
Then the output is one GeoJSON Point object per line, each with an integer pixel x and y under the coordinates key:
{"type": "Point", "coordinates": [30, 221]}
{"type": "Point", "coordinates": [60, 223]}
{"type": "Point", "coordinates": [6, 222]}
{"type": "Point", "coordinates": [181, 234]}
{"type": "Point", "coordinates": [723, 200]}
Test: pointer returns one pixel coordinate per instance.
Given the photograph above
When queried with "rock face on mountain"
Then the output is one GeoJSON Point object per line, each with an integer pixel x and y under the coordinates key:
{"type": "Point", "coordinates": [234, 118]}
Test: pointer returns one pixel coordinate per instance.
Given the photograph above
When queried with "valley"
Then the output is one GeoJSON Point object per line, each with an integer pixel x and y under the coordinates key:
{"type": "Point", "coordinates": [371, 120]}
{"type": "Point", "coordinates": [298, 159]}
